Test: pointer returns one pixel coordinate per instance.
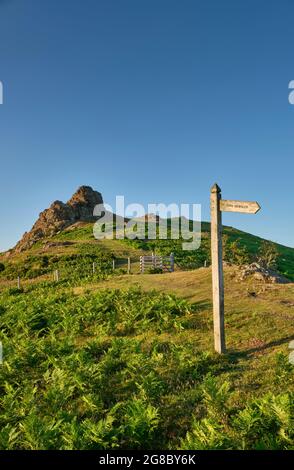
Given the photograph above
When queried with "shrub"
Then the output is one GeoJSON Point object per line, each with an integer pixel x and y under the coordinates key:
{"type": "Point", "coordinates": [264, 423]}
{"type": "Point", "coordinates": [155, 271]}
{"type": "Point", "coordinates": [268, 255]}
{"type": "Point", "coordinates": [234, 252]}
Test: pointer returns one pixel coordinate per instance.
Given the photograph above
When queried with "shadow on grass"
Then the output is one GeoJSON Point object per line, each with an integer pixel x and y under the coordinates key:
{"type": "Point", "coordinates": [196, 321]}
{"type": "Point", "coordinates": [201, 305]}
{"type": "Point", "coordinates": [235, 355]}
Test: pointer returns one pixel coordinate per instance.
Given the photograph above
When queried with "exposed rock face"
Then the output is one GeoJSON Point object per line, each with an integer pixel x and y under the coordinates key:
{"type": "Point", "coordinates": [60, 216]}
{"type": "Point", "coordinates": [83, 202]}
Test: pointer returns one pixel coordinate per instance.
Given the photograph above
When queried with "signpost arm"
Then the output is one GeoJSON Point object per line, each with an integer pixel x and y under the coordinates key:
{"type": "Point", "coordinates": [217, 270]}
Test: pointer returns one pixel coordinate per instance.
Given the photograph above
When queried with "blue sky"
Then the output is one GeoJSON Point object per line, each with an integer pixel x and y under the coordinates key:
{"type": "Point", "coordinates": [152, 99]}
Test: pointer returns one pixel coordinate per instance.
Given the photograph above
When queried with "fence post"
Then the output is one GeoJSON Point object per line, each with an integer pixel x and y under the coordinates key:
{"type": "Point", "coordinates": [172, 262]}
{"type": "Point", "coordinates": [153, 260]}
{"type": "Point", "coordinates": [57, 275]}
{"type": "Point", "coordinates": [205, 263]}
{"type": "Point", "coordinates": [129, 265]}
{"type": "Point", "coordinates": [113, 264]}
{"type": "Point", "coordinates": [94, 268]}
{"type": "Point", "coordinates": [141, 264]}
{"type": "Point", "coordinates": [18, 282]}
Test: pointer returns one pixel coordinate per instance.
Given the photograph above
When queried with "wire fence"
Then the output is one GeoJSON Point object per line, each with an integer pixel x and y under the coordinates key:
{"type": "Point", "coordinates": [117, 265]}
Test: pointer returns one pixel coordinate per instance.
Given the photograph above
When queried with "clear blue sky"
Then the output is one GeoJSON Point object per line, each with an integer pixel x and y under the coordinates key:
{"type": "Point", "coordinates": [153, 99]}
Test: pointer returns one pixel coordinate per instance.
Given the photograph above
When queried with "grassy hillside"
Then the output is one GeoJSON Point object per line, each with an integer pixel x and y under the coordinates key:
{"type": "Point", "coordinates": [116, 364]}
{"type": "Point", "coordinates": [74, 250]}
{"type": "Point", "coordinates": [115, 360]}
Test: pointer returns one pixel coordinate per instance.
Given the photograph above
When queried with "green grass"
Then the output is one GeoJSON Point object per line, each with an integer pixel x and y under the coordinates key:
{"type": "Point", "coordinates": [94, 367]}
{"type": "Point", "coordinates": [110, 360]}
{"type": "Point", "coordinates": [30, 264]}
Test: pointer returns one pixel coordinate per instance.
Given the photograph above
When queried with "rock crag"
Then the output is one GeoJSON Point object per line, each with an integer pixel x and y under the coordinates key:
{"type": "Point", "coordinates": [60, 216]}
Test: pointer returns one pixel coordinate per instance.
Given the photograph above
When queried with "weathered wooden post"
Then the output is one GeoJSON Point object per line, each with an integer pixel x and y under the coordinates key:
{"type": "Point", "coordinates": [217, 270]}
{"type": "Point", "coordinates": [94, 268]}
{"type": "Point", "coordinates": [18, 282]}
{"type": "Point", "coordinates": [172, 262]}
{"type": "Point", "coordinates": [129, 265]}
{"type": "Point", "coordinates": [113, 264]}
{"type": "Point", "coordinates": [217, 206]}
{"type": "Point", "coordinates": [57, 275]}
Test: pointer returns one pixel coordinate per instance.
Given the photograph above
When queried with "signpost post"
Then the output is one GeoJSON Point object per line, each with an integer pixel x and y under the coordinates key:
{"type": "Point", "coordinates": [217, 206]}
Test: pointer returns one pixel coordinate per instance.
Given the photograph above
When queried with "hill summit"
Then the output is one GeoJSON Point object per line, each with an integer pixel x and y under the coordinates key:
{"type": "Point", "coordinates": [61, 215]}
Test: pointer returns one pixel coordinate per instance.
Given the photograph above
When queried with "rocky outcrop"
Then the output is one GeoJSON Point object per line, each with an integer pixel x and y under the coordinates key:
{"type": "Point", "coordinates": [60, 216]}
{"type": "Point", "coordinates": [260, 273]}
{"type": "Point", "coordinates": [82, 203]}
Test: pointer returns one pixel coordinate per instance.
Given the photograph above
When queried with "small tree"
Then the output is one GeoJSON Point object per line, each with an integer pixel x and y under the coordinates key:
{"type": "Point", "coordinates": [2, 267]}
{"type": "Point", "coordinates": [234, 252]}
{"type": "Point", "coordinates": [268, 255]}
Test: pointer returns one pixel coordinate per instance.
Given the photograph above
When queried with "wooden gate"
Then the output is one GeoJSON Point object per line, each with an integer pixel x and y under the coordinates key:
{"type": "Point", "coordinates": [166, 263]}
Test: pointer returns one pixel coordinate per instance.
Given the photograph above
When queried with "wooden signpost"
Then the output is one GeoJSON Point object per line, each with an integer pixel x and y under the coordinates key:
{"type": "Point", "coordinates": [217, 206]}
{"type": "Point", "coordinates": [247, 207]}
